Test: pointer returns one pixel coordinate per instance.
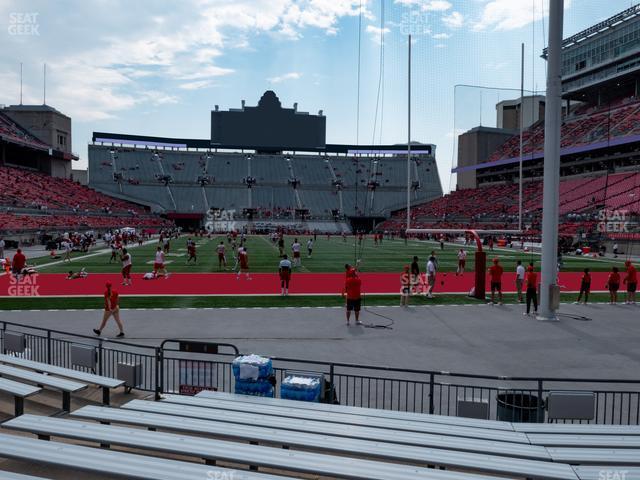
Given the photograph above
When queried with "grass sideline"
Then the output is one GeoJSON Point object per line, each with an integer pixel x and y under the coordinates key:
{"type": "Point", "coordinates": [40, 303]}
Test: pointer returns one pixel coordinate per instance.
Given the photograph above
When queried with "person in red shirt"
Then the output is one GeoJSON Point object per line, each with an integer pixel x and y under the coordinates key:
{"type": "Point", "coordinates": [532, 290]}
{"type": "Point", "coordinates": [495, 273]}
{"type": "Point", "coordinates": [613, 284]}
{"type": "Point", "coordinates": [352, 287]}
{"type": "Point", "coordinates": [585, 286]}
{"type": "Point", "coordinates": [18, 263]}
{"type": "Point", "coordinates": [111, 309]}
{"type": "Point", "coordinates": [631, 280]}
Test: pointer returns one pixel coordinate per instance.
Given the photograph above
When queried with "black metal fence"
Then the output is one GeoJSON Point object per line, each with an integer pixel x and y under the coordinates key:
{"type": "Point", "coordinates": [169, 370]}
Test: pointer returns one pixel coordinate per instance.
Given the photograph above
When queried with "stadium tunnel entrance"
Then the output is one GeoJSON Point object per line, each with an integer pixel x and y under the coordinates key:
{"type": "Point", "coordinates": [187, 221]}
{"type": "Point", "coordinates": [365, 224]}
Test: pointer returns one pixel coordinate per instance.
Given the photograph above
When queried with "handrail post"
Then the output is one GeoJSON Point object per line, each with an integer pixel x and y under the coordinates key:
{"type": "Point", "coordinates": [431, 393]}
{"type": "Point", "coordinates": [49, 356]}
{"type": "Point", "coordinates": [159, 372]}
{"type": "Point", "coordinates": [540, 405]}
{"type": "Point", "coordinates": [100, 357]}
{"type": "Point", "coordinates": [332, 386]}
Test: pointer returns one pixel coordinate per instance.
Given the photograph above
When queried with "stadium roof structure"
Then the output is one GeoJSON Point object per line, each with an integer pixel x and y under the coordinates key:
{"type": "Point", "coordinates": [186, 143]}
{"type": "Point", "coordinates": [614, 21]}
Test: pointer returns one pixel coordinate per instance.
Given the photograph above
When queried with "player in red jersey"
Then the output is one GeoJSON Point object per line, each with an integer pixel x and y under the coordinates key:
{"type": "Point", "coordinates": [585, 287]}
{"type": "Point", "coordinates": [352, 292]}
{"type": "Point", "coordinates": [631, 280]}
{"type": "Point", "coordinates": [613, 284]}
{"type": "Point", "coordinates": [495, 273]}
{"type": "Point", "coordinates": [532, 290]}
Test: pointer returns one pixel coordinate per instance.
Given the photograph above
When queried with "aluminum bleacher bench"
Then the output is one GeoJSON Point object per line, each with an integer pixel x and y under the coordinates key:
{"type": "Point", "coordinates": [582, 441]}
{"type": "Point", "coordinates": [374, 447]}
{"type": "Point", "coordinates": [105, 383]}
{"type": "Point", "coordinates": [286, 460]}
{"type": "Point", "coordinates": [17, 476]}
{"type": "Point", "coordinates": [367, 412]}
{"type": "Point", "coordinates": [603, 472]}
{"type": "Point", "coordinates": [185, 409]}
{"type": "Point", "coordinates": [109, 462]}
{"type": "Point", "coordinates": [348, 419]}
{"type": "Point", "coordinates": [629, 457]}
{"type": "Point", "coordinates": [577, 429]}
{"type": "Point", "coordinates": [67, 387]}
{"type": "Point", "coordinates": [20, 391]}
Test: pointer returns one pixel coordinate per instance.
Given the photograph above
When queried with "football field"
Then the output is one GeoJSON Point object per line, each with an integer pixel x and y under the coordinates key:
{"type": "Point", "coordinates": [329, 255]}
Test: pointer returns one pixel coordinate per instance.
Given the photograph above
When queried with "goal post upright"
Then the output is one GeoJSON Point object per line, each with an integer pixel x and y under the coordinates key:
{"type": "Point", "coordinates": [480, 254]}
{"type": "Point", "coordinates": [551, 186]}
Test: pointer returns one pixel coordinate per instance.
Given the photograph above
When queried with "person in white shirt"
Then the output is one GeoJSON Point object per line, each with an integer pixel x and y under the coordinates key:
{"type": "Point", "coordinates": [66, 245]}
{"type": "Point", "coordinates": [309, 247]}
{"type": "Point", "coordinates": [284, 270]}
{"type": "Point", "coordinates": [295, 248]}
{"type": "Point", "coordinates": [520, 273]}
{"type": "Point", "coordinates": [462, 261]}
{"type": "Point", "coordinates": [125, 258]}
{"type": "Point", "coordinates": [159, 264]}
{"type": "Point", "coordinates": [222, 259]}
{"type": "Point", "coordinates": [431, 276]}
{"type": "Point", "coordinates": [2, 244]}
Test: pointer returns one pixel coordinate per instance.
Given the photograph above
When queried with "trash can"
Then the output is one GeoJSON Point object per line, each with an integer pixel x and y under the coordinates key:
{"type": "Point", "coordinates": [518, 407]}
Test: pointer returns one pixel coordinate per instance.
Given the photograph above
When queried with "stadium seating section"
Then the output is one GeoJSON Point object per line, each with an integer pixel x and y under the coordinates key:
{"type": "Point", "coordinates": [368, 186]}
{"type": "Point", "coordinates": [496, 206]}
{"type": "Point", "coordinates": [35, 201]}
{"type": "Point", "coordinates": [15, 133]}
{"type": "Point", "coordinates": [584, 126]}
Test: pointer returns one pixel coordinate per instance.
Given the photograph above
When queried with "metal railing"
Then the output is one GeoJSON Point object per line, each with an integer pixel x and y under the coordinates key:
{"type": "Point", "coordinates": [169, 370]}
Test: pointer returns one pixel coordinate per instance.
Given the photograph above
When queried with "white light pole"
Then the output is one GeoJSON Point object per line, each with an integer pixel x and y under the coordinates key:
{"type": "Point", "coordinates": [551, 189]}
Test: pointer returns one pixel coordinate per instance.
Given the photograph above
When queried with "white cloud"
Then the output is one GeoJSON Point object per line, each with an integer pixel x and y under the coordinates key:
{"type": "Point", "coordinates": [376, 33]}
{"type": "Point", "coordinates": [441, 36]}
{"type": "Point", "coordinates": [124, 54]}
{"type": "Point", "coordinates": [453, 20]}
{"type": "Point", "coordinates": [511, 14]}
{"type": "Point", "coordinates": [427, 6]}
{"type": "Point", "coordinates": [197, 85]}
{"type": "Point", "coordinates": [285, 77]}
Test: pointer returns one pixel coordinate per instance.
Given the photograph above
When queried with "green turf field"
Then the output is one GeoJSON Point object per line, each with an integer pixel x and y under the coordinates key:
{"type": "Point", "coordinates": [328, 256]}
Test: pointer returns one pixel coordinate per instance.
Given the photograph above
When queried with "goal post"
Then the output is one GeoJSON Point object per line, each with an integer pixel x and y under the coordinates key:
{"type": "Point", "coordinates": [480, 256]}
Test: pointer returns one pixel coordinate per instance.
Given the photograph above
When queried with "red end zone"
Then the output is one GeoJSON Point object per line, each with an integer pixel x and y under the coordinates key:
{"type": "Point", "coordinates": [52, 284]}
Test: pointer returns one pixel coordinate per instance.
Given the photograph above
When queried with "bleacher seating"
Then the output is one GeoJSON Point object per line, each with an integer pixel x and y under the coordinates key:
{"type": "Point", "coordinates": [584, 126]}
{"type": "Point", "coordinates": [496, 206]}
{"type": "Point", "coordinates": [318, 440]}
{"type": "Point", "coordinates": [62, 204]}
{"type": "Point", "coordinates": [11, 131]}
{"type": "Point", "coordinates": [273, 191]}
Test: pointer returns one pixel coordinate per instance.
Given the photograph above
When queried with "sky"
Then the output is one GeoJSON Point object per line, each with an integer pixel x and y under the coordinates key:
{"type": "Point", "coordinates": [152, 67]}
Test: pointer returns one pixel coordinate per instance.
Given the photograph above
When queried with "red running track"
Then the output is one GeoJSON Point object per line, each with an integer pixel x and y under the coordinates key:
{"type": "Point", "coordinates": [51, 284]}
